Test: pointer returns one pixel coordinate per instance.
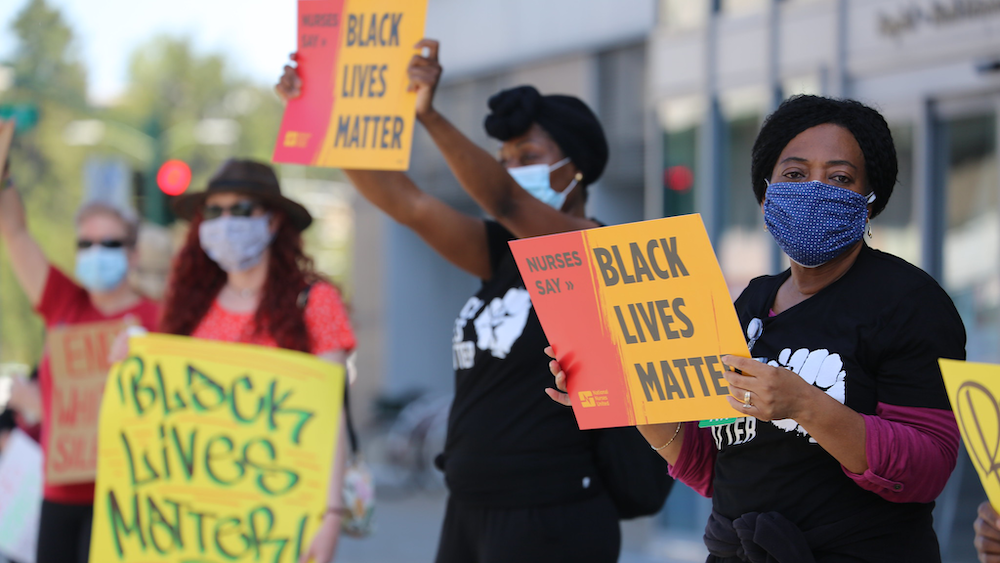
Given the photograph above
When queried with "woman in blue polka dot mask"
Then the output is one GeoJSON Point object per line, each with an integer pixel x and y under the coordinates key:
{"type": "Point", "coordinates": [844, 434]}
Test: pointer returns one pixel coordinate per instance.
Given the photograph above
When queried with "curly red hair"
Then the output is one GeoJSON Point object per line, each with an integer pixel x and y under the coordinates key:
{"type": "Point", "coordinates": [197, 280]}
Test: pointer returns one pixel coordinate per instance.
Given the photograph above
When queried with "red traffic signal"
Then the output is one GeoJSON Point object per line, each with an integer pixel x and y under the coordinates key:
{"type": "Point", "coordinates": [678, 178]}
{"type": "Point", "coordinates": [174, 177]}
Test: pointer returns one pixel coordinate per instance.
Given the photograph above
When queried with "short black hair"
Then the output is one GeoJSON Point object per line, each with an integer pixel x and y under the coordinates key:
{"type": "Point", "coordinates": [798, 113]}
{"type": "Point", "coordinates": [573, 126]}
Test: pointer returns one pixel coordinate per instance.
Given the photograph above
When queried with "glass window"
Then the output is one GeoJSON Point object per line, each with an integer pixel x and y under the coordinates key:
{"type": "Point", "coordinates": [680, 150]}
{"type": "Point", "coordinates": [805, 84]}
{"type": "Point", "coordinates": [737, 7]}
{"type": "Point", "coordinates": [680, 119]}
{"type": "Point", "coordinates": [972, 230]}
{"type": "Point", "coordinates": [683, 14]}
{"type": "Point", "coordinates": [894, 230]}
{"type": "Point", "coordinates": [745, 248]}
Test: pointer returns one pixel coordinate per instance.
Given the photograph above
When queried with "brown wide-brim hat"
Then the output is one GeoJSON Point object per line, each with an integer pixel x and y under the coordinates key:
{"type": "Point", "coordinates": [247, 177]}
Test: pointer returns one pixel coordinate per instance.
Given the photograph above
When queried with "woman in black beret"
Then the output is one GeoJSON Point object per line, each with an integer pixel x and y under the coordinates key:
{"type": "Point", "coordinates": [521, 475]}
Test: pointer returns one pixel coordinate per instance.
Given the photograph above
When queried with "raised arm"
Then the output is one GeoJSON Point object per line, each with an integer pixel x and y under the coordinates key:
{"type": "Point", "coordinates": [457, 237]}
{"type": "Point", "coordinates": [31, 267]}
{"type": "Point", "coordinates": [479, 173]}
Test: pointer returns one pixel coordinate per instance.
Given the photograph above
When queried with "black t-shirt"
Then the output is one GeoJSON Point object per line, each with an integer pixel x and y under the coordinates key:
{"type": "Point", "coordinates": [873, 336]}
{"type": "Point", "coordinates": [508, 443]}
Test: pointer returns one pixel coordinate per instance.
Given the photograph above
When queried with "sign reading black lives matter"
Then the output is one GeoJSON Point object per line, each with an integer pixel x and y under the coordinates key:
{"type": "Point", "coordinates": [213, 451]}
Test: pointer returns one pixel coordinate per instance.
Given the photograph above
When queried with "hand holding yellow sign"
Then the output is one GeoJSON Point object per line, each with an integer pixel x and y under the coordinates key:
{"type": "Point", "coordinates": [355, 110]}
{"type": "Point", "coordinates": [213, 451]}
{"type": "Point", "coordinates": [974, 390]}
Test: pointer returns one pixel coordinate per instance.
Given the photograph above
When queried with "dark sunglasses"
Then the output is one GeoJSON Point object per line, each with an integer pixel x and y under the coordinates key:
{"type": "Point", "coordinates": [243, 208]}
{"type": "Point", "coordinates": [83, 244]}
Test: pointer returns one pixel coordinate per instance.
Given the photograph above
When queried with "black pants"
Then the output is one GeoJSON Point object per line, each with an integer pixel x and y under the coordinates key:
{"type": "Point", "coordinates": [64, 533]}
{"type": "Point", "coordinates": [579, 532]}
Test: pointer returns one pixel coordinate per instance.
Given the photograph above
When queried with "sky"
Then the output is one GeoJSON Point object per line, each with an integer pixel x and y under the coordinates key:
{"type": "Point", "coordinates": [255, 35]}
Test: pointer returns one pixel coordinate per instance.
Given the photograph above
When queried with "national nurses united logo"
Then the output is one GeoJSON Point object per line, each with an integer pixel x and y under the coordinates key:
{"type": "Point", "coordinates": [498, 326]}
{"type": "Point", "coordinates": [594, 398]}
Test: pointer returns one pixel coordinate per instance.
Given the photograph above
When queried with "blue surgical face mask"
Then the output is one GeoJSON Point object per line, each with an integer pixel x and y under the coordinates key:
{"type": "Point", "coordinates": [535, 180]}
{"type": "Point", "coordinates": [814, 222]}
{"type": "Point", "coordinates": [101, 269]}
{"type": "Point", "coordinates": [235, 243]}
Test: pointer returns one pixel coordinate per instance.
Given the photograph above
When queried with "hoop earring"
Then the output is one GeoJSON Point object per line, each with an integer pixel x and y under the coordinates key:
{"type": "Point", "coordinates": [869, 229]}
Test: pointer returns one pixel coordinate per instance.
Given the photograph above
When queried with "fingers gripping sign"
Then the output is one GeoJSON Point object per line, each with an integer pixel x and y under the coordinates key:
{"type": "Point", "coordinates": [987, 528]}
{"type": "Point", "coordinates": [289, 86]}
{"type": "Point", "coordinates": [557, 394]}
{"type": "Point", "coordinates": [424, 73]}
{"type": "Point", "coordinates": [763, 391]}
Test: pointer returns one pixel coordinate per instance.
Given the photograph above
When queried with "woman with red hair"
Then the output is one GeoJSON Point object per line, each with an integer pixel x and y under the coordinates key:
{"type": "Point", "coordinates": [242, 276]}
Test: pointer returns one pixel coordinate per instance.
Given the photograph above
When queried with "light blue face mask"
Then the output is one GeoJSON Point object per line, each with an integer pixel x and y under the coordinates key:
{"type": "Point", "coordinates": [101, 269]}
{"type": "Point", "coordinates": [534, 179]}
{"type": "Point", "coordinates": [814, 222]}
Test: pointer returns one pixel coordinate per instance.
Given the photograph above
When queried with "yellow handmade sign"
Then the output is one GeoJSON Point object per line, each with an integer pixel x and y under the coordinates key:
{"type": "Point", "coordinates": [79, 360]}
{"type": "Point", "coordinates": [639, 315]}
{"type": "Point", "coordinates": [213, 451]}
{"type": "Point", "coordinates": [974, 390]}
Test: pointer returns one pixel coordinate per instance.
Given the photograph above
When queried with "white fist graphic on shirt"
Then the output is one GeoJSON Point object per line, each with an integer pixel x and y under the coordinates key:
{"type": "Point", "coordinates": [819, 368]}
{"type": "Point", "coordinates": [502, 321]}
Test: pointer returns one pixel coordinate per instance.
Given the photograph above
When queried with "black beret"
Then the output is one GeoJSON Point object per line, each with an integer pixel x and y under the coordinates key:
{"type": "Point", "coordinates": [570, 123]}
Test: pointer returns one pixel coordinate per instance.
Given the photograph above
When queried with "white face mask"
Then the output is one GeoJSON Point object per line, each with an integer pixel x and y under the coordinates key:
{"type": "Point", "coordinates": [535, 180]}
{"type": "Point", "coordinates": [235, 243]}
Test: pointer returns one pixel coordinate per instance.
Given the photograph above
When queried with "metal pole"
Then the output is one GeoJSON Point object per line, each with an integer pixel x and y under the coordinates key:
{"type": "Point", "coordinates": [930, 149]}
{"type": "Point", "coordinates": [775, 91]}
{"type": "Point", "coordinates": [709, 194]}
{"type": "Point", "coordinates": [155, 201]}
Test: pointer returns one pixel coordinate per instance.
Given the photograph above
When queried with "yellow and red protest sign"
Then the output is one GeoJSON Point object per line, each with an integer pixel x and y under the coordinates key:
{"type": "Point", "coordinates": [639, 315]}
{"type": "Point", "coordinates": [79, 360]}
{"type": "Point", "coordinates": [974, 391]}
{"type": "Point", "coordinates": [354, 111]}
{"type": "Point", "coordinates": [213, 451]}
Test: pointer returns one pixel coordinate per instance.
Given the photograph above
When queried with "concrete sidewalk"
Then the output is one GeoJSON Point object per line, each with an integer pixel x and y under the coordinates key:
{"type": "Point", "coordinates": [408, 531]}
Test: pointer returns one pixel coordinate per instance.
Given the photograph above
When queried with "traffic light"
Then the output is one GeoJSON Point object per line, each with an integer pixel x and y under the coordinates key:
{"type": "Point", "coordinates": [174, 177]}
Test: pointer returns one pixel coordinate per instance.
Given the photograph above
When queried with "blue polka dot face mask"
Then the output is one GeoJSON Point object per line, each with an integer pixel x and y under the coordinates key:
{"type": "Point", "coordinates": [814, 222]}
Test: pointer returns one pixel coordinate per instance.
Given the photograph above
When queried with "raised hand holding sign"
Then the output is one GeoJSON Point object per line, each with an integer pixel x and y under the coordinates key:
{"type": "Point", "coordinates": [354, 107]}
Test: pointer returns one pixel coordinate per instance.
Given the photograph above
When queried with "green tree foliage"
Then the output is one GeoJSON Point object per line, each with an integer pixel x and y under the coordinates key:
{"type": "Point", "coordinates": [48, 74]}
{"type": "Point", "coordinates": [45, 61]}
{"type": "Point", "coordinates": [174, 93]}
{"type": "Point", "coordinates": [188, 97]}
